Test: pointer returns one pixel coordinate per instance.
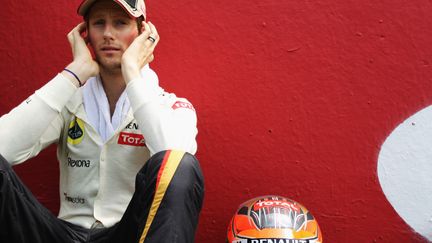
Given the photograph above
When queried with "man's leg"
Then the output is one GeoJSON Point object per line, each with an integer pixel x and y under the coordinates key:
{"type": "Point", "coordinates": [22, 218]}
{"type": "Point", "coordinates": [165, 207]}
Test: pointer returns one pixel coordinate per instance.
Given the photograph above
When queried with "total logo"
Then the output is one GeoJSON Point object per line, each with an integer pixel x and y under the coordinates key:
{"type": "Point", "coordinates": [270, 241]}
{"type": "Point", "coordinates": [180, 104]}
{"type": "Point", "coordinates": [131, 139]}
{"type": "Point", "coordinates": [276, 203]}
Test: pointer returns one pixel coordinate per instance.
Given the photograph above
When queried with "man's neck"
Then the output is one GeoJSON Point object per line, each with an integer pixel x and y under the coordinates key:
{"type": "Point", "coordinates": [114, 86]}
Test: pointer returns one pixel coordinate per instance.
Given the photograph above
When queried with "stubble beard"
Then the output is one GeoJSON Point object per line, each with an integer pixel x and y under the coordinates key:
{"type": "Point", "coordinates": [109, 65]}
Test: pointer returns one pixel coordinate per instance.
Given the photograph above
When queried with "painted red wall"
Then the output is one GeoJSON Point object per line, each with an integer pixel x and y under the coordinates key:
{"type": "Point", "coordinates": [294, 98]}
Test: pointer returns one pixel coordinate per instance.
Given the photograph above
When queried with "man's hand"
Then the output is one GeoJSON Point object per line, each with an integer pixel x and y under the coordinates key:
{"type": "Point", "coordinates": [140, 52]}
{"type": "Point", "coordinates": [83, 64]}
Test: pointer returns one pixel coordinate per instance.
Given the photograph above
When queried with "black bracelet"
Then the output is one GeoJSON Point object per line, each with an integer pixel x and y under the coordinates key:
{"type": "Point", "coordinates": [69, 71]}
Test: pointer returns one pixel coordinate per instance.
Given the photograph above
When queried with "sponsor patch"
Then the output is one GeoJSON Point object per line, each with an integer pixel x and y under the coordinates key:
{"type": "Point", "coordinates": [78, 162]}
{"type": "Point", "coordinates": [132, 125]}
{"type": "Point", "coordinates": [181, 104]}
{"type": "Point", "coordinates": [131, 139]}
{"type": "Point", "coordinates": [270, 241]}
{"type": "Point", "coordinates": [76, 131]}
{"type": "Point", "coordinates": [276, 203]}
{"type": "Point", "coordinates": [70, 199]}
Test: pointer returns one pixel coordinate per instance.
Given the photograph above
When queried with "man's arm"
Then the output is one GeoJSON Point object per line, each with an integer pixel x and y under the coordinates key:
{"type": "Point", "coordinates": [166, 121]}
{"type": "Point", "coordinates": [36, 122]}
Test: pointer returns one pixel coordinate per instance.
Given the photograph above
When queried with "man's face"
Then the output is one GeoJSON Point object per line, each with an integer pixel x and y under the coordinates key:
{"type": "Point", "coordinates": [111, 31]}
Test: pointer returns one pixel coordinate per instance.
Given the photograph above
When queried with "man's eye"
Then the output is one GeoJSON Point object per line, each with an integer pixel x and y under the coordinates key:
{"type": "Point", "coordinates": [99, 22]}
{"type": "Point", "coordinates": [120, 22]}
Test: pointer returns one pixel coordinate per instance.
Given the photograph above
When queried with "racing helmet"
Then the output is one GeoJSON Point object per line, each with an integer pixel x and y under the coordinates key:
{"type": "Point", "coordinates": [273, 219]}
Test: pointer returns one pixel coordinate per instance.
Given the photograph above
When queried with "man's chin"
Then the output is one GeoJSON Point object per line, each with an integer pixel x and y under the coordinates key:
{"type": "Point", "coordinates": [110, 66]}
{"type": "Point", "coordinates": [108, 63]}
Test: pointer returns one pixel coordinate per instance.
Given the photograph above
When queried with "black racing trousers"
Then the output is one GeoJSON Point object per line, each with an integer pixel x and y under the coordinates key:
{"type": "Point", "coordinates": [165, 207]}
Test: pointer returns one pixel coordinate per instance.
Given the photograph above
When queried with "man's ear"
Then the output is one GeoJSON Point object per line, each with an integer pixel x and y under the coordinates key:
{"type": "Point", "coordinates": [84, 33]}
{"type": "Point", "coordinates": [140, 25]}
{"type": "Point", "coordinates": [87, 40]}
{"type": "Point", "coordinates": [89, 45]}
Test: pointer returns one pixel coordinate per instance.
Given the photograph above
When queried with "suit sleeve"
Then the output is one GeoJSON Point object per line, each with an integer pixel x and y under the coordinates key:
{"type": "Point", "coordinates": [166, 121]}
{"type": "Point", "coordinates": [36, 122]}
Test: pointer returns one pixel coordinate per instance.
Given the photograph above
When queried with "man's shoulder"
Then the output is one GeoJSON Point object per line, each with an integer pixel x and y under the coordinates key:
{"type": "Point", "coordinates": [75, 102]}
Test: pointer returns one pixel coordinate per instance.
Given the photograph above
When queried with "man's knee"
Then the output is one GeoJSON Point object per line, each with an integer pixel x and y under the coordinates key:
{"type": "Point", "coordinates": [188, 181]}
{"type": "Point", "coordinates": [187, 162]}
{"type": "Point", "coordinates": [187, 174]}
{"type": "Point", "coordinates": [189, 168]}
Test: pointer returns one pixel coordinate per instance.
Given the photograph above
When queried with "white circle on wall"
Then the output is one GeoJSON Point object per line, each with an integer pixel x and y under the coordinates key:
{"type": "Point", "coordinates": [405, 171]}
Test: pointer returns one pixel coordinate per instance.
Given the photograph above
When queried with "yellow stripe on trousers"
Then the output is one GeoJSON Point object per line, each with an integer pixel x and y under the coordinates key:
{"type": "Point", "coordinates": [167, 174]}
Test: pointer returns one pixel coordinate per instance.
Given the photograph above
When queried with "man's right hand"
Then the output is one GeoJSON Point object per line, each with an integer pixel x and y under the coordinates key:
{"type": "Point", "coordinates": [83, 64]}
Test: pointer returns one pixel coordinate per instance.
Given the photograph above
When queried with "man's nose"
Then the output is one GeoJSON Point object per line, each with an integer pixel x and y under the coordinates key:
{"type": "Point", "coordinates": [108, 31]}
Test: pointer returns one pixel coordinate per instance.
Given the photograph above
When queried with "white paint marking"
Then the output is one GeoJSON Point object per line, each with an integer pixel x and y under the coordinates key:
{"type": "Point", "coordinates": [405, 171]}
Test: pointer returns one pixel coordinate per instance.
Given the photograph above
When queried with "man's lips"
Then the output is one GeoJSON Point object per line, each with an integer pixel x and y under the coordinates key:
{"type": "Point", "coordinates": [109, 49]}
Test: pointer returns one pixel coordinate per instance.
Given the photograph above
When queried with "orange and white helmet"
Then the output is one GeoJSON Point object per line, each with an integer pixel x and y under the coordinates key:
{"type": "Point", "coordinates": [273, 219]}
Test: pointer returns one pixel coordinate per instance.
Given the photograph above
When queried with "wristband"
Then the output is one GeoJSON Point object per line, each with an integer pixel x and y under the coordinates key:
{"type": "Point", "coordinates": [69, 71]}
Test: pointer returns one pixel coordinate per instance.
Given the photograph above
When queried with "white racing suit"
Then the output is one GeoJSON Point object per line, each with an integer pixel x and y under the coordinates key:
{"type": "Point", "coordinates": [99, 179]}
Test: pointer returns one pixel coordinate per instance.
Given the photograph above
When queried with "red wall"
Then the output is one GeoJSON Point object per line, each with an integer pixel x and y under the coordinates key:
{"type": "Point", "coordinates": [293, 97]}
